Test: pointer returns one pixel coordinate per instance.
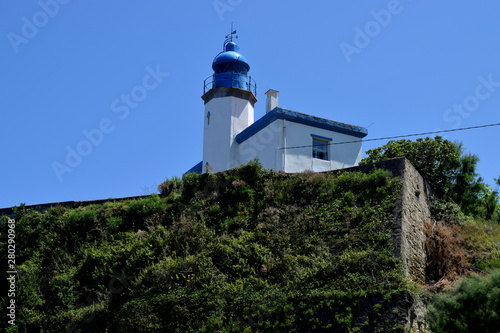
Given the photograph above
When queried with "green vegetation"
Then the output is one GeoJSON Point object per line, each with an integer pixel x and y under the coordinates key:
{"type": "Point", "coordinates": [472, 306]}
{"type": "Point", "coordinates": [251, 250]}
{"type": "Point", "coordinates": [435, 159]}
{"type": "Point", "coordinates": [246, 250]}
{"type": "Point", "coordinates": [482, 238]}
{"type": "Point", "coordinates": [464, 236]}
{"type": "Point", "coordinates": [448, 170]}
{"type": "Point", "coordinates": [458, 245]}
{"type": "Point", "coordinates": [468, 208]}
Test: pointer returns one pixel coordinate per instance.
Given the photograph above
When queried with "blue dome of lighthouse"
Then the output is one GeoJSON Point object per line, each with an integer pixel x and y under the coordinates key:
{"type": "Point", "coordinates": [230, 61]}
{"type": "Point", "coordinates": [230, 69]}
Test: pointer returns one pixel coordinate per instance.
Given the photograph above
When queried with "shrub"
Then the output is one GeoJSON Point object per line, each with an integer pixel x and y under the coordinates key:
{"type": "Point", "coordinates": [446, 258]}
{"type": "Point", "coordinates": [448, 211]}
{"type": "Point", "coordinates": [170, 185]}
{"type": "Point", "coordinates": [482, 237]}
{"type": "Point", "coordinates": [472, 306]}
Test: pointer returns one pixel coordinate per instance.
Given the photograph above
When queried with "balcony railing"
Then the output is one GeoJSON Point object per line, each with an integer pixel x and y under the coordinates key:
{"type": "Point", "coordinates": [226, 80]}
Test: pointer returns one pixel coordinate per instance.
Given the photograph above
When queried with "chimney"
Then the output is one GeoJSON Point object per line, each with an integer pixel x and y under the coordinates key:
{"type": "Point", "coordinates": [272, 100]}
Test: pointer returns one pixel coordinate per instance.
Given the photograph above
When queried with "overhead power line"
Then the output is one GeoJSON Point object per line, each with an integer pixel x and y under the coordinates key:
{"type": "Point", "coordinates": [399, 136]}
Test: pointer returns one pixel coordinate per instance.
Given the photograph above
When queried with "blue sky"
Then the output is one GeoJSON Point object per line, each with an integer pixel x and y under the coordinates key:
{"type": "Point", "coordinates": [396, 67]}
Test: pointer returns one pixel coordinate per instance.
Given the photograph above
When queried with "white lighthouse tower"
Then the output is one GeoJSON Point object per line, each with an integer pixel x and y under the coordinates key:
{"type": "Point", "coordinates": [229, 96]}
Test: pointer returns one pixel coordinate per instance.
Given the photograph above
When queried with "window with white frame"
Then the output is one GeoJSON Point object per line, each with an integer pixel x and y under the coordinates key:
{"type": "Point", "coordinates": [320, 148]}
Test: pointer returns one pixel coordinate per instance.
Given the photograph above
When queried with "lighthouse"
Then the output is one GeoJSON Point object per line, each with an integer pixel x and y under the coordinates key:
{"type": "Point", "coordinates": [282, 139]}
{"type": "Point", "coordinates": [229, 95]}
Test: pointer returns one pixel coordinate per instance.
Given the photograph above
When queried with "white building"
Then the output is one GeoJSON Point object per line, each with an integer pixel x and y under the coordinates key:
{"type": "Point", "coordinates": [282, 140]}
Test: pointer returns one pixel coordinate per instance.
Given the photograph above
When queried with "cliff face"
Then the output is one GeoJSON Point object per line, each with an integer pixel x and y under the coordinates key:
{"type": "Point", "coordinates": [244, 250]}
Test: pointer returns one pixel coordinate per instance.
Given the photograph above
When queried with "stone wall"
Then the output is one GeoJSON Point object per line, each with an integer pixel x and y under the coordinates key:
{"type": "Point", "coordinates": [67, 204]}
{"type": "Point", "coordinates": [411, 212]}
{"type": "Point", "coordinates": [415, 211]}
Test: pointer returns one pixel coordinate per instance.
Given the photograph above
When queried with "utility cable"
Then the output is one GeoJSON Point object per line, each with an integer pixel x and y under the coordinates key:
{"type": "Point", "coordinates": [398, 136]}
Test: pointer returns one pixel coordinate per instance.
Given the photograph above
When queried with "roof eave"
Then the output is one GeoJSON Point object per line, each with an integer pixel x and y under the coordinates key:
{"type": "Point", "coordinates": [301, 118]}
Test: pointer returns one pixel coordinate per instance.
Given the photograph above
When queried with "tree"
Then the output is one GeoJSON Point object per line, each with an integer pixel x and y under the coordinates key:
{"type": "Point", "coordinates": [468, 190]}
{"type": "Point", "coordinates": [491, 202]}
{"type": "Point", "coordinates": [436, 159]}
{"type": "Point", "coordinates": [450, 171]}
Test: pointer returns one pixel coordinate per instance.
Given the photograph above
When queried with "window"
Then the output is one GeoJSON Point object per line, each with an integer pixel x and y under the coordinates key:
{"type": "Point", "coordinates": [320, 148]}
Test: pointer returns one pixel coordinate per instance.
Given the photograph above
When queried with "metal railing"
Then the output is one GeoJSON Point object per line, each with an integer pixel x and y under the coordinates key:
{"type": "Point", "coordinates": [236, 82]}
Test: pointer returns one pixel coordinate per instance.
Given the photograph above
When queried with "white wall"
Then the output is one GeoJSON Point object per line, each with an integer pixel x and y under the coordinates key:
{"type": "Point", "coordinates": [300, 159]}
{"type": "Point", "coordinates": [231, 115]}
{"type": "Point", "coordinates": [283, 133]}
{"type": "Point", "coordinates": [228, 117]}
{"type": "Point", "coordinates": [263, 146]}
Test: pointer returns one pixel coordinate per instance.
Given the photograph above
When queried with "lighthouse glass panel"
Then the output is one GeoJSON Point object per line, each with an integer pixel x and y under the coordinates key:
{"type": "Point", "coordinates": [320, 149]}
